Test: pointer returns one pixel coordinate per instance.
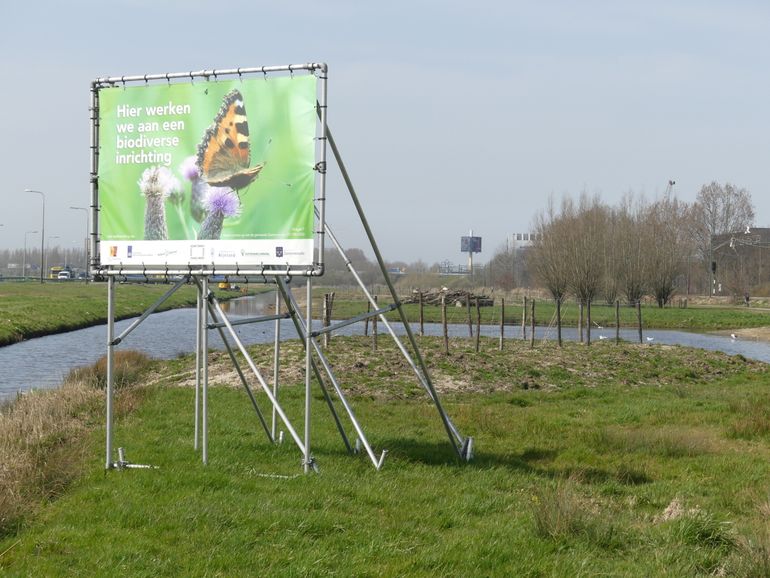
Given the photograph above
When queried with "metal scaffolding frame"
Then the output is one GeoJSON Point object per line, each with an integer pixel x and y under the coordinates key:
{"type": "Point", "coordinates": [210, 315]}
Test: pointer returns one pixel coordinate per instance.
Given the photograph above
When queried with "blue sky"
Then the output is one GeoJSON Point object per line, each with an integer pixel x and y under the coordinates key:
{"type": "Point", "coordinates": [450, 116]}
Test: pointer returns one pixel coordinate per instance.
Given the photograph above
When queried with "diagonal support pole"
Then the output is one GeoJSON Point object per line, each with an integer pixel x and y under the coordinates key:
{"type": "Point", "coordinates": [221, 314]}
{"type": "Point", "coordinates": [464, 450]}
{"type": "Point", "coordinates": [301, 329]}
{"type": "Point", "coordinates": [238, 370]}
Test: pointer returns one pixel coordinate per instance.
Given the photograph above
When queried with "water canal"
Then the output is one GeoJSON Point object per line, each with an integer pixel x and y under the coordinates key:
{"type": "Point", "coordinates": [43, 362]}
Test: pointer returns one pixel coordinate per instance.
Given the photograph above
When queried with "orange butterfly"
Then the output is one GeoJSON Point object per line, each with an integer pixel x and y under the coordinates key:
{"type": "Point", "coordinates": [224, 154]}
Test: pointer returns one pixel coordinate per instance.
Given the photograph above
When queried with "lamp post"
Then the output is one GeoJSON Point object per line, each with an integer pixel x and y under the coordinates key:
{"type": "Point", "coordinates": [24, 259]}
{"type": "Point", "coordinates": [48, 249]}
{"type": "Point", "coordinates": [85, 265]}
{"type": "Point", "coordinates": [42, 235]}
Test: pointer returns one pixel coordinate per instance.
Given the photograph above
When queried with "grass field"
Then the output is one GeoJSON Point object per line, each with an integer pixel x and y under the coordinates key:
{"type": "Point", "coordinates": [33, 309]}
{"type": "Point", "coordinates": [614, 461]}
{"type": "Point", "coordinates": [698, 318]}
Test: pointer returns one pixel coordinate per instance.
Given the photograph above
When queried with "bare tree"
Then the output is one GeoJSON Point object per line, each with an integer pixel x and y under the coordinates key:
{"type": "Point", "coordinates": [501, 268]}
{"type": "Point", "coordinates": [548, 258]}
{"type": "Point", "coordinates": [719, 210]}
{"type": "Point", "coordinates": [666, 243]}
{"type": "Point", "coordinates": [629, 240]}
{"type": "Point", "coordinates": [585, 232]}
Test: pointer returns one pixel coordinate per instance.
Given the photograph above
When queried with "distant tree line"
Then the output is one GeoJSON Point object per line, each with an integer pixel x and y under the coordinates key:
{"type": "Point", "coordinates": [591, 250]}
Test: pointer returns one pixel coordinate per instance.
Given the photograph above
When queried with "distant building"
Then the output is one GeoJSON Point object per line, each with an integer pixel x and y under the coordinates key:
{"type": "Point", "coordinates": [740, 261]}
{"type": "Point", "coordinates": [521, 240]}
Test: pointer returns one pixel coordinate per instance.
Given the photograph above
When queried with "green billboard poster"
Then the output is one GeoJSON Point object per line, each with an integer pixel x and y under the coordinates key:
{"type": "Point", "coordinates": [208, 173]}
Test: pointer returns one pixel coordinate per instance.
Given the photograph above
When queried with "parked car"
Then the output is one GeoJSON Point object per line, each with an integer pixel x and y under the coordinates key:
{"type": "Point", "coordinates": [64, 275]}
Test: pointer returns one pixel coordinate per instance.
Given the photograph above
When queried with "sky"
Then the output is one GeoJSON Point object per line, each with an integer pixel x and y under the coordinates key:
{"type": "Point", "coordinates": [449, 116]}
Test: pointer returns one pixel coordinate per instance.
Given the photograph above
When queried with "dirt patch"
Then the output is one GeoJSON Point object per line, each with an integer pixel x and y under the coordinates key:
{"type": "Point", "coordinates": [749, 333]}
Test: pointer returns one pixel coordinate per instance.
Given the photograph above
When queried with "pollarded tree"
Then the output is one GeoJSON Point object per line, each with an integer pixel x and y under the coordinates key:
{"type": "Point", "coordinates": [585, 231]}
{"type": "Point", "coordinates": [548, 258]}
{"type": "Point", "coordinates": [666, 240]}
{"type": "Point", "coordinates": [630, 242]}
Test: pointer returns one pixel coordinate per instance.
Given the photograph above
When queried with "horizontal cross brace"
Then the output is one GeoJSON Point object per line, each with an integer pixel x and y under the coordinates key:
{"type": "Point", "coordinates": [353, 320]}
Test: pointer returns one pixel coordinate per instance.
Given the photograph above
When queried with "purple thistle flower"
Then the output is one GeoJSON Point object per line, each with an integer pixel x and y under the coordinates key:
{"type": "Point", "coordinates": [220, 202]}
{"type": "Point", "coordinates": [189, 169]}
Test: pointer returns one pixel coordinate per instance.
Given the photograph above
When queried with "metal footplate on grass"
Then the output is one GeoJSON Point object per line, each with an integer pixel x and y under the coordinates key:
{"type": "Point", "coordinates": [123, 464]}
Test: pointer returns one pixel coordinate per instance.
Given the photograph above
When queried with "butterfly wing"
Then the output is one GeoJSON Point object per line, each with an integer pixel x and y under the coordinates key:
{"type": "Point", "coordinates": [224, 154]}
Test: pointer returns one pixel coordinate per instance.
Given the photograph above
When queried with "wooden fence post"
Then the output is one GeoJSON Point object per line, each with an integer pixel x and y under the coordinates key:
{"type": "Point", "coordinates": [422, 317]}
{"type": "Point", "coordinates": [617, 321]}
{"type": "Point", "coordinates": [443, 323]}
{"type": "Point", "coordinates": [532, 337]}
{"type": "Point", "coordinates": [524, 320]}
{"type": "Point", "coordinates": [588, 322]}
{"type": "Point", "coordinates": [374, 327]}
{"type": "Point", "coordinates": [639, 318]}
{"type": "Point", "coordinates": [502, 322]}
{"type": "Point", "coordinates": [580, 321]}
{"type": "Point", "coordinates": [478, 324]}
{"type": "Point", "coordinates": [558, 320]}
{"type": "Point", "coordinates": [468, 309]}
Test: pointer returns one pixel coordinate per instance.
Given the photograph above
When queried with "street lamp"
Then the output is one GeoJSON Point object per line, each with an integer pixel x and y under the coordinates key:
{"type": "Point", "coordinates": [42, 235]}
{"type": "Point", "coordinates": [48, 248]}
{"type": "Point", "coordinates": [85, 265]}
{"type": "Point", "coordinates": [24, 260]}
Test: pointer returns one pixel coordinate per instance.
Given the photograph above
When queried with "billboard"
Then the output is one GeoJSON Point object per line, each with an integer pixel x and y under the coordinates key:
{"type": "Point", "coordinates": [470, 244]}
{"type": "Point", "coordinates": [213, 174]}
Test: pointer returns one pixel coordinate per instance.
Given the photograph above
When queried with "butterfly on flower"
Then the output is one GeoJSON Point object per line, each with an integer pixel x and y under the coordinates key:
{"type": "Point", "coordinates": [224, 154]}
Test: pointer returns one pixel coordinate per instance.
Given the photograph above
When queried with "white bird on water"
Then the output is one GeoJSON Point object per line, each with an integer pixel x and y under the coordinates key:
{"type": "Point", "coordinates": [733, 336]}
{"type": "Point", "coordinates": [602, 337]}
{"type": "Point", "coordinates": [650, 339]}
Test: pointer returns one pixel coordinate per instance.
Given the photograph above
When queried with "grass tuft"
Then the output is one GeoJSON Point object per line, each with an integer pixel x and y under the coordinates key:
{"type": "Point", "coordinates": [664, 442]}
{"type": "Point", "coordinates": [753, 420]}
{"type": "Point", "coordinates": [129, 367]}
{"type": "Point", "coordinates": [560, 514]}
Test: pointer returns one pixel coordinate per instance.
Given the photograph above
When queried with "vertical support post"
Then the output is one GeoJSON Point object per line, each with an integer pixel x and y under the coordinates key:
{"type": "Point", "coordinates": [276, 362]}
{"type": "Point", "coordinates": [639, 317]}
{"type": "Point", "coordinates": [94, 143]}
{"type": "Point", "coordinates": [524, 320]}
{"type": "Point", "coordinates": [308, 369]}
{"type": "Point", "coordinates": [502, 322]}
{"type": "Point", "coordinates": [532, 337]}
{"type": "Point", "coordinates": [198, 358]}
{"type": "Point", "coordinates": [324, 129]}
{"type": "Point", "coordinates": [558, 320]}
{"type": "Point", "coordinates": [617, 321]}
{"type": "Point", "coordinates": [205, 365]}
{"type": "Point", "coordinates": [366, 321]}
{"type": "Point", "coordinates": [110, 365]}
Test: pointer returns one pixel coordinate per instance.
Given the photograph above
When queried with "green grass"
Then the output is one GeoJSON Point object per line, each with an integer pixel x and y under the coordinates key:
{"type": "Point", "coordinates": [575, 475]}
{"type": "Point", "coordinates": [706, 318]}
{"type": "Point", "coordinates": [33, 309]}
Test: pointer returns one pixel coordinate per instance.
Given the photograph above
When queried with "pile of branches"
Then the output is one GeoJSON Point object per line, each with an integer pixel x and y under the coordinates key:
{"type": "Point", "coordinates": [453, 297]}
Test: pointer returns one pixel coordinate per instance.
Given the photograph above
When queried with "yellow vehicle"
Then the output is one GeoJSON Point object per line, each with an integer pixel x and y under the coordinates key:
{"type": "Point", "coordinates": [53, 272]}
